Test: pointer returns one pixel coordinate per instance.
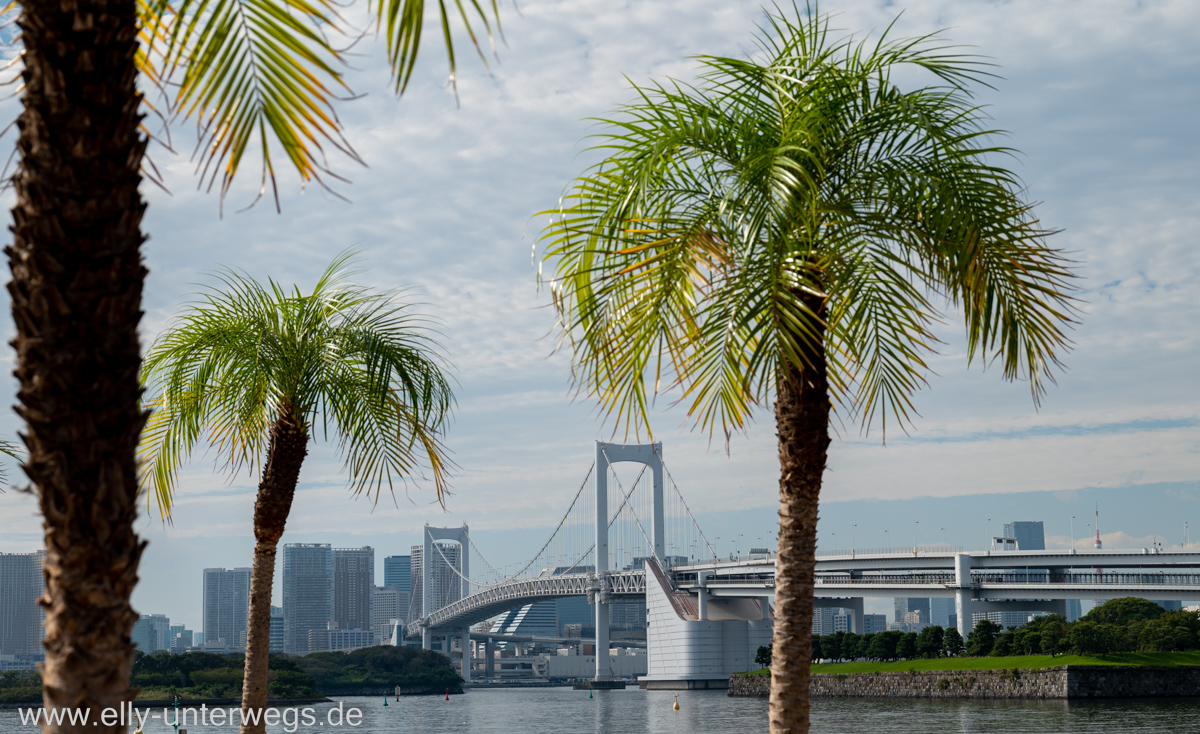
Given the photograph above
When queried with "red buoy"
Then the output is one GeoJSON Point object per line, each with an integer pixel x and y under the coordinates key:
{"type": "Point", "coordinates": [447, 694]}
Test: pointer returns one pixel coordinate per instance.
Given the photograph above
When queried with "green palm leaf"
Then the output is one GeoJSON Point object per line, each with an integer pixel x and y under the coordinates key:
{"type": "Point", "coordinates": [341, 361]}
{"type": "Point", "coordinates": [13, 451]}
{"type": "Point", "coordinates": [264, 75]}
{"type": "Point", "coordinates": [682, 258]}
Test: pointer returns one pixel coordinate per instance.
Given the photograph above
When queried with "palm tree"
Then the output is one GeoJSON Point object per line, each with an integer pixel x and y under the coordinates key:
{"type": "Point", "coordinates": [250, 72]}
{"type": "Point", "coordinates": [259, 371]}
{"type": "Point", "coordinates": [792, 227]}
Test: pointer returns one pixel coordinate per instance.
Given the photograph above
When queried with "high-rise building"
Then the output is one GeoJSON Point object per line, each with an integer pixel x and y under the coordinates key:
{"type": "Point", "coordinates": [307, 593]}
{"type": "Point", "coordinates": [873, 623]}
{"type": "Point", "coordinates": [275, 635]}
{"type": "Point", "coordinates": [226, 603]}
{"type": "Point", "coordinates": [575, 610]}
{"type": "Point", "coordinates": [824, 622]}
{"type": "Point", "coordinates": [397, 572]}
{"type": "Point", "coordinates": [627, 615]}
{"type": "Point", "coordinates": [445, 580]}
{"type": "Point", "coordinates": [353, 586]}
{"type": "Point", "coordinates": [1029, 534]}
{"type": "Point", "coordinates": [180, 638]}
{"type": "Point", "coordinates": [1007, 620]}
{"type": "Point", "coordinates": [940, 611]}
{"type": "Point", "coordinates": [540, 618]}
{"type": "Point", "coordinates": [152, 632]}
{"type": "Point", "coordinates": [843, 623]}
{"type": "Point", "coordinates": [385, 606]}
{"type": "Point", "coordinates": [1074, 610]}
{"type": "Point", "coordinates": [904, 605]}
{"type": "Point", "coordinates": [21, 585]}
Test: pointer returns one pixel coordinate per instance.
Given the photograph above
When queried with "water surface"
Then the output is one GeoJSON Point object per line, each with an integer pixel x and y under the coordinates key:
{"type": "Point", "coordinates": [633, 711]}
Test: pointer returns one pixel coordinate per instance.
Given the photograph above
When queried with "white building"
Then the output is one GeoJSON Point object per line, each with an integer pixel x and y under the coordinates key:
{"type": "Point", "coordinates": [445, 581]}
{"type": "Point", "coordinates": [307, 593]}
{"type": "Point", "coordinates": [353, 587]}
{"type": "Point", "coordinates": [388, 604]}
{"type": "Point", "coordinates": [226, 603]}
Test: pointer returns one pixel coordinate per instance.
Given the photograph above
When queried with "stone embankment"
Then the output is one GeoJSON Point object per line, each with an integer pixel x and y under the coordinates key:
{"type": "Point", "coordinates": [1067, 681]}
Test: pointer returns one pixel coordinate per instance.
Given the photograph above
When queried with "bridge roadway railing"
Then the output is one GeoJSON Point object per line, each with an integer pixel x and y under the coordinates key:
{"type": "Point", "coordinates": [977, 579]}
{"type": "Point", "coordinates": [1010, 579]}
{"type": "Point", "coordinates": [501, 597]}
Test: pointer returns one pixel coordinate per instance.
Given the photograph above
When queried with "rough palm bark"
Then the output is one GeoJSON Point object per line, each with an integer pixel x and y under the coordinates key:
{"type": "Point", "coordinates": [285, 454]}
{"type": "Point", "coordinates": [76, 292]}
{"type": "Point", "coordinates": [802, 419]}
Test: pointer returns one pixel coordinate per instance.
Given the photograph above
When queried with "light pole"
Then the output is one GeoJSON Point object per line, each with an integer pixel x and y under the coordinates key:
{"type": "Point", "coordinates": [1072, 535]}
{"type": "Point", "coordinates": [887, 539]}
{"type": "Point", "coordinates": [852, 529]}
{"type": "Point", "coordinates": [987, 541]}
{"type": "Point", "coordinates": [834, 543]}
{"type": "Point", "coordinates": [915, 524]}
{"type": "Point", "coordinates": [943, 535]}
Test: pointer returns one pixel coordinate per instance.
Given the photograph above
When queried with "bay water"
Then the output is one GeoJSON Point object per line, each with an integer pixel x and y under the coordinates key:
{"type": "Point", "coordinates": [633, 711]}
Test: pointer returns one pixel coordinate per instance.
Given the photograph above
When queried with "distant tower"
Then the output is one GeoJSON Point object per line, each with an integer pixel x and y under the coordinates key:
{"type": "Point", "coordinates": [1099, 545]}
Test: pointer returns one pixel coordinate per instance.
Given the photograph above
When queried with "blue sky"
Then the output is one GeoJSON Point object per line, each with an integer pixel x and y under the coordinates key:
{"type": "Point", "coordinates": [1101, 97]}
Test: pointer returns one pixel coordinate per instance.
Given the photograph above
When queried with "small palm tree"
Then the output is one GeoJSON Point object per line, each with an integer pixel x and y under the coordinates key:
{"type": "Point", "coordinates": [260, 372]}
{"type": "Point", "coordinates": [785, 229]}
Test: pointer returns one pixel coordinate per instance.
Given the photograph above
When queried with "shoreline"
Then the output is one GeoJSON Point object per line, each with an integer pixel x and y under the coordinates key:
{"type": "Point", "coordinates": [1069, 682]}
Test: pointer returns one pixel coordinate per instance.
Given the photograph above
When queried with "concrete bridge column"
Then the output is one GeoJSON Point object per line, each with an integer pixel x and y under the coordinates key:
{"type": "Point", "coordinates": [856, 609]}
{"type": "Point", "coordinates": [466, 654]}
{"type": "Point", "coordinates": [963, 594]}
{"type": "Point", "coordinates": [489, 659]}
{"type": "Point", "coordinates": [702, 594]}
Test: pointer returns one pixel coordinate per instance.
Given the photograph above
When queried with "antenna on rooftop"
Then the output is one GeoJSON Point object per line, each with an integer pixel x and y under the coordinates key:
{"type": "Point", "coordinates": [1099, 545]}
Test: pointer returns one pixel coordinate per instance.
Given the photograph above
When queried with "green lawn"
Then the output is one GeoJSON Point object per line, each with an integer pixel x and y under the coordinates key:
{"type": "Point", "coordinates": [1024, 661]}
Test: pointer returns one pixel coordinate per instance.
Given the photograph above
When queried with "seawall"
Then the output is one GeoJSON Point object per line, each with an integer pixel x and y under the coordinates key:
{"type": "Point", "coordinates": [1067, 681]}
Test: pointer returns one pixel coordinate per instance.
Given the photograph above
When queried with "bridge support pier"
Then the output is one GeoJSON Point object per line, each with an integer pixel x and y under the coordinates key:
{"type": "Point", "coordinates": [963, 592]}
{"type": "Point", "coordinates": [466, 654]}
{"type": "Point", "coordinates": [489, 659]}
{"type": "Point", "coordinates": [606, 454]}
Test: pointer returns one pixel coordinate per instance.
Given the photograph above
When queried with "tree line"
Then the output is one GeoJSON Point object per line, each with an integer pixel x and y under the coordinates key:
{"type": "Point", "coordinates": [1128, 624]}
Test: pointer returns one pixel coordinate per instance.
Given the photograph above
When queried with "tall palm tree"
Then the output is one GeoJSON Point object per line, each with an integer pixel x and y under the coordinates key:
{"type": "Point", "coordinates": [259, 372]}
{"type": "Point", "coordinates": [250, 72]}
{"type": "Point", "coordinates": [792, 227]}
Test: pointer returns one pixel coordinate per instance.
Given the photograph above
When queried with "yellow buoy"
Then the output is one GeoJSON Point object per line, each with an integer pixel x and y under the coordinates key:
{"type": "Point", "coordinates": [676, 706]}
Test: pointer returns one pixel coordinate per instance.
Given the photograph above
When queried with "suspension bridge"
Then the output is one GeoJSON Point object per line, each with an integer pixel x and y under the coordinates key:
{"type": "Point", "coordinates": [706, 616]}
{"type": "Point", "coordinates": [599, 549]}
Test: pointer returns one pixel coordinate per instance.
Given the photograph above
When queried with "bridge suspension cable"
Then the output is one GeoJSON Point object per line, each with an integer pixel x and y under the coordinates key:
{"type": "Point", "coordinates": [567, 549]}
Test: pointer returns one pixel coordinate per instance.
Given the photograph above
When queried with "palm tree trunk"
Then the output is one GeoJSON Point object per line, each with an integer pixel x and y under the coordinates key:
{"type": "Point", "coordinates": [802, 420]}
{"type": "Point", "coordinates": [76, 299]}
{"type": "Point", "coordinates": [289, 446]}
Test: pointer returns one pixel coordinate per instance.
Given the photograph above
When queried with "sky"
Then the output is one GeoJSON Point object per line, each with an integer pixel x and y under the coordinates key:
{"type": "Point", "coordinates": [1100, 97]}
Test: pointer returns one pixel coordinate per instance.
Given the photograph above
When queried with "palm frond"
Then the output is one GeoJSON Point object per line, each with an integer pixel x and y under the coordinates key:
{"type": "Point", "coordinates": [259, 73]}
{"type": "Point", "coordinates": [339, 360]}
{"type": "Point", "coordinates": [13, 451]}
{"type": "Point", "coordinates": [402, 22]}
{"type": "Point", "coordinates": [693, 251]}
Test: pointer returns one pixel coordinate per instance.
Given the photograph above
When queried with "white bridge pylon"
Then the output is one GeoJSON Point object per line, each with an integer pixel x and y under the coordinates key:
{"type": "Point", "coordinates": [606, 454]}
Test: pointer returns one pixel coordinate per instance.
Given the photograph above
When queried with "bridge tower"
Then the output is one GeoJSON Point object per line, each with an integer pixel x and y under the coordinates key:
{"type": "Point", "coordinates": [613, 453]}
{"type": "Point", "coordinates": [461, 536]}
